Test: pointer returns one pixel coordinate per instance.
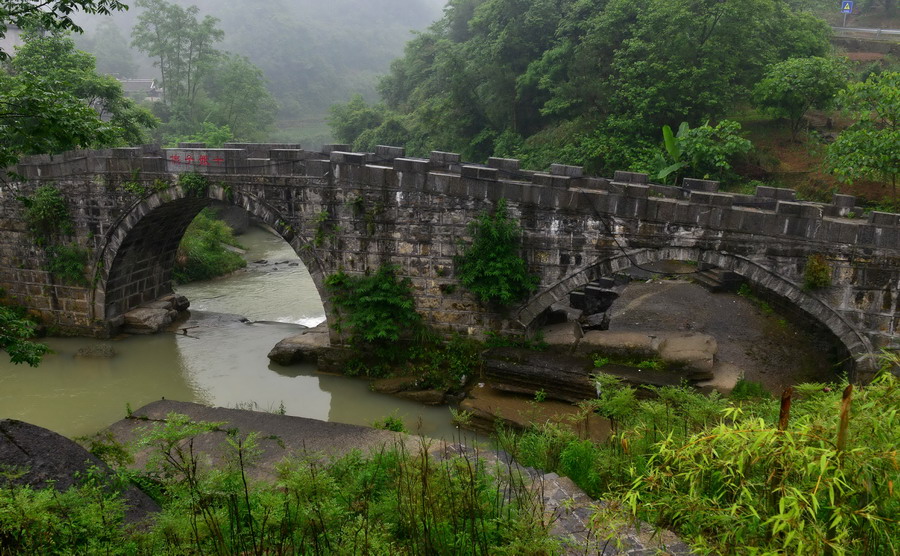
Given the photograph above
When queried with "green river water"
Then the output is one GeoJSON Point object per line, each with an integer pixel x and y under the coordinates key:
{"type": "Point", "coordinates": [221, 361]}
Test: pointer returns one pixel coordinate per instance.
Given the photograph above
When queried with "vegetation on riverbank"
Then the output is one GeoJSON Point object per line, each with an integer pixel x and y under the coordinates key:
{"type": "Point", "coordinates": [392, 501]}
{"type": "Point", "coordinates": [743, 475]}
{"type": "Point", "coordinates": [202, 253]}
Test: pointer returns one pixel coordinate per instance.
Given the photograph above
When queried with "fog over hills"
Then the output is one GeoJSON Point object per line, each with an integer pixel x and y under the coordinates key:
{"type": "Point", "coordinates": [313, 53]}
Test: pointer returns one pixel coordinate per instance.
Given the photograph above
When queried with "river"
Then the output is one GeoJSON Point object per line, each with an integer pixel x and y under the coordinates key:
{"type": "Point", "coordinates": [220, 360]}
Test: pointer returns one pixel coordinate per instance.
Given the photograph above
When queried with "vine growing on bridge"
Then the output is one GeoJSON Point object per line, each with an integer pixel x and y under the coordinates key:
{"type": "Point", "coordinates": [490, 267]}
{"type": "Point", "coordinates": [376, 309]}
{"type": "Point", "coordinates": [48, 219]}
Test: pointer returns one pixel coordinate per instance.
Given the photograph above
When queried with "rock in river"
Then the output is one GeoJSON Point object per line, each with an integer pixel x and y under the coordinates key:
{"type": "Point", "coordinates": [304, 347]}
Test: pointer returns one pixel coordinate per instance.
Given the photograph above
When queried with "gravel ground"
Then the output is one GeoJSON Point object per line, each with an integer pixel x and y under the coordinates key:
{"type": "Point", "coordinates": [762, 346]}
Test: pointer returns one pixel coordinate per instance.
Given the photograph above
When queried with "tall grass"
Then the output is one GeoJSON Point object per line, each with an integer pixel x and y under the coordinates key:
{"type": "Point", "coordinates": [394, 501]}
{"type": "Point", "coordinates": [817, 474]}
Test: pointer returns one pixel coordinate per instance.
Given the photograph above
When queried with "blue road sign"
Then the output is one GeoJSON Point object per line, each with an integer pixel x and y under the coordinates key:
{"type": "Point", "coordinates": [846, 7]}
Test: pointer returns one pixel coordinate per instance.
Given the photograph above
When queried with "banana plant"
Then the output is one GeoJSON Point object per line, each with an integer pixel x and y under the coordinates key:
{"type": "Point", "coordinates": [673, 148]}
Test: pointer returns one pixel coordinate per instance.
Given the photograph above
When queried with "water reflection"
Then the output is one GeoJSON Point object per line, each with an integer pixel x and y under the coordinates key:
{"type": "Point", "coordinates": [215, 359]}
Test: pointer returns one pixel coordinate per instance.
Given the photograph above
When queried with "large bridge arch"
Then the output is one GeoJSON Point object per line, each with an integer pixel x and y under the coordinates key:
{"type": "Point", "coordinates": [856, 344]}
{"type": "Point", "coordinates": [135, 261]}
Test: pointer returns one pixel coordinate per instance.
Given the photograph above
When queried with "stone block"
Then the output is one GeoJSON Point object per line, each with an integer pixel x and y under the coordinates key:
{"type": "Point", "coordinates": [664, 209]}
{"type": "Point", "coordinates": [285, 154]}
{"type": "Point", "coordinates": [884, 218]}
{"type": "Point", "coordinates": [631, 177]}
{"type": "Point", "coordinates": [566, 170]}
{"type": "Point", "coordinates": [343, 157]}
{"type": "Point", "coordinates": [479, 172]}
{"type": "Point", "coordinates": [328, 149]}
{"type": "Point", "coordinates": [789, 208]}
{"type": "Point", "coordinates": [812, 210]}
{"type": "Point", "coordinates": [318, 168]}
{"type": "Point", "coordinates": [385, 152]}
{"type": "Point", "coordinates": [637, 191]}
{"type": "Point", "coordinates": [765, 192]}
{"type": "Point", "coordinates": [513, 192]}
{"type": "Point", "coordinates": [708, 186]}
{"type": "Point", "coordinates": [601, 184]}
{"type": "Point", "coordinates": [510, 165]}
{"type": "Point", "coordinates": [843, 201]}
{"type": "Point", "coordinates": [782, 194]}
{"type": "Point", "coordinates": [657, 190]}
{"type": "Point", "coordinates": [412, 165]}
{"type": "Point", "coordinates": [548, 180]}
{"type": "Point", "coordinates": [440, 159]}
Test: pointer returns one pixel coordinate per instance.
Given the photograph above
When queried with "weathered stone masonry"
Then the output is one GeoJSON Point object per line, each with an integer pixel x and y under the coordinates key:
{"type": "Point", "coordinates": [356, 211]}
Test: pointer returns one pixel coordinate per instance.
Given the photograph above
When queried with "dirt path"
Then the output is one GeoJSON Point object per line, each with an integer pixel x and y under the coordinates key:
{"type": "Point", "coordinates": [763, 346]}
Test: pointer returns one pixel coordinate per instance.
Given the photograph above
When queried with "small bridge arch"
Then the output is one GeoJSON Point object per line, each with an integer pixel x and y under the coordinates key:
{"type": "Point", "coordinates": [135, 261]}
{"type": "Point", "coordinates": [856, 344]}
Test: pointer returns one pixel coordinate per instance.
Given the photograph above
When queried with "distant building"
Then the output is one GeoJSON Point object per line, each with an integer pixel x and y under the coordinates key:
{"type": "Point", "coordinates": [12, 39]}
{"type": "Point", "coordinates": [141, 89]}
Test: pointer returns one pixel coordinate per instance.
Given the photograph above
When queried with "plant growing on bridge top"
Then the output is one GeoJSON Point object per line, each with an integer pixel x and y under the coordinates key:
{"type": "Point", "coordinates": [194, 184]}
{"type": "Point", "coordinates": [490, 267]}
{"type": "Point", "coordinates": [817, 273]}
{"type": "Point", "coordinates": [377, 309]}
{"type": "Point", "coordinates": [47, 214]}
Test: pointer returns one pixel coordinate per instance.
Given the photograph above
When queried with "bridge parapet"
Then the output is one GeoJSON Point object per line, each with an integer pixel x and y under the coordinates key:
{"type": "Point", "coordinates": [770, 211]}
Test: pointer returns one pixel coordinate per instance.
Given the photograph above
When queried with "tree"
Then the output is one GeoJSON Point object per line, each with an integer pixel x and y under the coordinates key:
{"type": "Point", "coordinates": [182, 46]}
{"type": "Point", "coordinates": [50, 15]}
{"type": "Point", "coordinates": [53, 100]}
{"type": "Point", "coordinates": [111, 50]}
{"type": "Point", "coordinates": [706, 151]}
{"type": "Point", "coordinates": [15, 334]}
{"type": "Point", "coordinates": [790, 88]}
{"type": "Point", "coordinates": [870, 148]}
{"type": "Point", "coordinates": [240, 100]}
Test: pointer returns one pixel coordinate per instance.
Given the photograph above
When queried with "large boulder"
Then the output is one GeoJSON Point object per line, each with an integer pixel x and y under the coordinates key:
{"type": "Point", "coordinates": [155, 316]}
{"type": "Point", "coordinates": [304, 347]}
{"type": "Point", "coordinates": [522, 371]}
{"type": "Point", "coordinates": [51, 460]}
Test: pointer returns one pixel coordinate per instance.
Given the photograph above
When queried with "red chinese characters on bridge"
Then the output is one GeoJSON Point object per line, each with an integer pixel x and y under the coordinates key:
{"type": "Point", "coordinates": [200, 160]}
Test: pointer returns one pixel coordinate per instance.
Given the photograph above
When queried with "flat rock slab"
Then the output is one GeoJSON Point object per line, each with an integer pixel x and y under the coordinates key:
{"type": "Point", "coordinates": [303, 347]}
{"type": "Point", "coordinates": [48, 458]}
{"type": "Point", "coordinates": [279, 436]}
{"type": "Point", "coordinates": [693, 351]}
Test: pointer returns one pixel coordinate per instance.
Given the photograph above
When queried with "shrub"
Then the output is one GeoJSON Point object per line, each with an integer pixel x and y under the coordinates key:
{"type": "Point", "coordinates": [46, 214]}
{"type": "Point", "coordinates": [817, 273]}
{"type": "Point", "coordinates": [376, 309]}
{"type": "Point", "coordinates": [491, 267]}
{"type": "Point", "coordinates": [67, 263]}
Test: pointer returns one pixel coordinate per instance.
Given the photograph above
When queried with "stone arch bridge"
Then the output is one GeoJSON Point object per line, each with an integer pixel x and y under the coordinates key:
{"type": "Point", "coordinates": [356, 211]}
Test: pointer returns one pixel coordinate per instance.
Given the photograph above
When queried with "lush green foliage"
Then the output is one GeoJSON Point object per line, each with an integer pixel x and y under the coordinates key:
{"type": "Point", "coordinates": [702, 152]}
{"type": "Point", "coordinates": [15, 334]}
{"type": "Point", "coordinates": [725, 477]}
{"type": "Point", "coordinates": [490, 267]}
{"type": "Point", "coordinates": [53, 15]}
{"type": "Point", "coordinates": [790, 88]}
{"type": "Point", "coordinates": [377, 310]}
{"type": "Point", "coordinates": [392, 502]}
{"type": "Point", "coordinates": [870, 149]}
{"type": "Point", "coordinates": [816, 273]}
{"type": "Point", "coordinates": [587, 82]}
{"type": "Point", "coordinates": [201, 254]}
{"type": "Point", "coordinates": [203, 86]}
{"type": "Point", "coordinates": [47, 214]}
{"type": "Point", "coordinates": [67, 263]}
{"type": "Point", "coordinates": [52, 100]}
{"type": "Point", "coordinates": [194, 184]}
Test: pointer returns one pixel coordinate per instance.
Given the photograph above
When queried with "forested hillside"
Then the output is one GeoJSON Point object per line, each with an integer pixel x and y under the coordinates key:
{"type": "Point", "coordinates": [594, 83]}
{"type": "Point", "coordinates": [310, 53]}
